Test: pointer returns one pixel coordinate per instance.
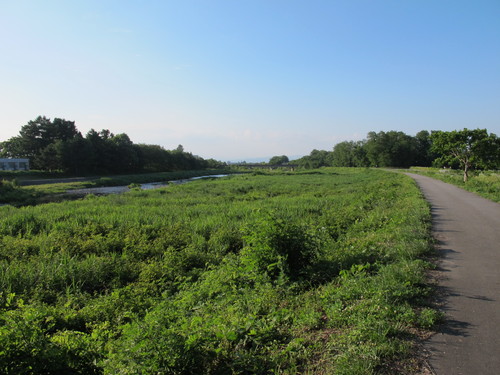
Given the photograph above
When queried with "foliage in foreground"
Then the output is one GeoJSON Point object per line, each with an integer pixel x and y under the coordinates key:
{"type": "Point", "coordinates": [306, 273]}
{"type": "Point", "coordinates": [483, 183]}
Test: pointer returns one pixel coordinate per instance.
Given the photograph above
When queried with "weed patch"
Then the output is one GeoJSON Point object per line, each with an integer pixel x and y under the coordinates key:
{"type": "Point", "coordinates": [266, 273]}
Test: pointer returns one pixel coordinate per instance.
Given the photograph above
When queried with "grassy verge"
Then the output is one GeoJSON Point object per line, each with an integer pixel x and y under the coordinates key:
{"type": "Point", "coordinates": [263, 274]}
{"type": "Point", "coordinates": [29, 175]}
{"type": "Point", "coordinates": [483, 183]}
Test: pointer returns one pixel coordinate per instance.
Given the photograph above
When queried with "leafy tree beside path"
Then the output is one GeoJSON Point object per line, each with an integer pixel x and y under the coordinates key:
{"type": "Point", "coordinates": [469, 148]}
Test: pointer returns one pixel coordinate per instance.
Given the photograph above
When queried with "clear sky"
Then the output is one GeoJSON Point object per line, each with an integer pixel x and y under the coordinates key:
{"type": "Point", "coordinates": [242, 79]}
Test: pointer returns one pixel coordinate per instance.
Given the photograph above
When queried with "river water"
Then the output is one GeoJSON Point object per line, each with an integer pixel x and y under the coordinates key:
{"type": "Point", "coordinates": [148, 186]}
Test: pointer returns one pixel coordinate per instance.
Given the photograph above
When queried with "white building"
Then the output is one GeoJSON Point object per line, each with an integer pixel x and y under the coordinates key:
{"type": "Point", "coordinates": [14, 164]}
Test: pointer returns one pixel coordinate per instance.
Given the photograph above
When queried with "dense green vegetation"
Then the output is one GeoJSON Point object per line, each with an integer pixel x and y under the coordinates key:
{"type": "Point", "coordinates": [278, 160]}
{"type": "Point", "coordinates": [11, 193]}
{"type": "Point", "coordinates": [382, 149]}
{"type": "Point", "coordinates": [315, 272]}
{"type": "Point", "coordinates": [465, 149]}
{"type": "Point", "coordinates": [57, 145]}
{"type": "Point", "coordinates": [484, 183]}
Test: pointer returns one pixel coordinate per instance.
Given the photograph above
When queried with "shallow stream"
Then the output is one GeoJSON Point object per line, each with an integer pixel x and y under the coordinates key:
{"type": "Point", "coordinates": [147, 186]}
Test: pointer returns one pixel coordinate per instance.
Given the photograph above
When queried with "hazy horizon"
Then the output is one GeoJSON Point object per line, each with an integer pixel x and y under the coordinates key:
{"type": "Point", "coordinates": [240, 81]}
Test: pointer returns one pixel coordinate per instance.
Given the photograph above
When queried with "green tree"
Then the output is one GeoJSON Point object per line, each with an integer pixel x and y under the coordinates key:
{"type": "Point", "coordinates": [472, 149]}
{"type": "Point", "coordinates": [76, 155]}
{"type": "Point", "coordinates": [12, 148]}
{"type": "Point", "coordinates": [215, 164]}
{"type": "Point", "coordinates": [391, 149]}
{"type": "Point", "coordinates": [279, 160]}
{"type": "Point", "coordinates": [35, 137]}
{"type": "Point", "coordinates": [349, 154]}
{"type": "Point", "coordinates": [154, 158]}
{"type": "Point", "coordinates": [58, 145]}
{"type": "Point", "coordinates": [424, 155]}
{"type": "Point", "coordinates": [316, 159]}
{"type": "Point", "coordinates": [58, 129]}
{"type": "Point", "coordinates": [51, 157]}
{"type": "Point", "coordinates": [124, 155]}
{"type": "Point", "coordinates": [102, 151]}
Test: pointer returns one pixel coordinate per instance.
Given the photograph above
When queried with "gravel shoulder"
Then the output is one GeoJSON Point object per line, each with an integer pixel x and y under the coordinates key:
{"type": "Point", "coordinates": [467, 230]}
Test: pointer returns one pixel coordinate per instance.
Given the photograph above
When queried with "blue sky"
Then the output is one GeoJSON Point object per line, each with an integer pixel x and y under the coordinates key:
{"type": "Point", "coordinates": [244, 79]}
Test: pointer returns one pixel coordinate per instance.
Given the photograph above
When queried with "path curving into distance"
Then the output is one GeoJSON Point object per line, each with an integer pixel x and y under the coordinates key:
{"type": "Point", "coordinates": [467, 228]}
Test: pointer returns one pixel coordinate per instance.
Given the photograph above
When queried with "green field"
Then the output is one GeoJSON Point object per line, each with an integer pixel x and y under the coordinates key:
{"type": "Point", "coordinates": [320, 272]}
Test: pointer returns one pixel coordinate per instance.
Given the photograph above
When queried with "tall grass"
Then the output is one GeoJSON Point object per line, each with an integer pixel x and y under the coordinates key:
{"type": "Point", "coordinates": [264, 273]}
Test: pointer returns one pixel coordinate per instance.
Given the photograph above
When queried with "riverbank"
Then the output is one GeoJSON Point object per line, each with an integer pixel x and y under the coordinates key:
{"type": "Point", "coordinates": [46, 190]}
{"type": "Point", "coordinates": [148, 186]}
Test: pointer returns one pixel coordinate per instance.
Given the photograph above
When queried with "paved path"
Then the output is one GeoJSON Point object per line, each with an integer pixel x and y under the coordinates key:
{"type": "Point", "coordinates": [467, 228]}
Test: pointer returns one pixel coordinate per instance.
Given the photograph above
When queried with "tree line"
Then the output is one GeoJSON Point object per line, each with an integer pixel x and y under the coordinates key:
{"type": "Point", "coordinates": [459, 149]}
{"type": "Point", "coordinates": [57, 145]}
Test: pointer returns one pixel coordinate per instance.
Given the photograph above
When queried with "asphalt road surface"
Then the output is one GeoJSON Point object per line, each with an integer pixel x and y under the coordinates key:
{"type": "Point", "coordinates": [467, 228]}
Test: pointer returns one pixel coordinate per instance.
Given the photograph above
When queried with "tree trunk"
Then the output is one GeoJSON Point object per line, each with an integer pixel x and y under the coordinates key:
{"type": "Point", "coordinates": [466, 174]}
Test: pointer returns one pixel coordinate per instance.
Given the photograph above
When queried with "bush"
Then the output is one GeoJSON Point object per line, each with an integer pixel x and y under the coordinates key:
{"type": "Point", "coordinates": [280, 247]}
